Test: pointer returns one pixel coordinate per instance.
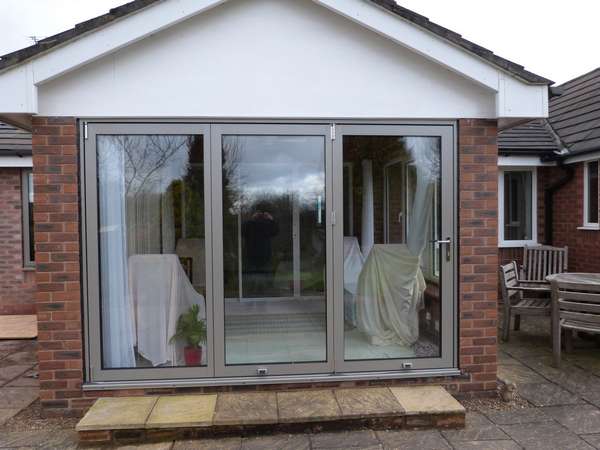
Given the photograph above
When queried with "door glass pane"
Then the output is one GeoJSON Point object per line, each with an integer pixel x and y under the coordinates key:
{"type": "Point", "coordinates": [517, 205]}
{"type": "Point", "coordinates": [392, 302]}
{"type": "Point", "coordinates": [151, 245]}
{"type": "Point", "coordinates": [274, 249]}
{"type": "Point", "coordinates": [592, 206]}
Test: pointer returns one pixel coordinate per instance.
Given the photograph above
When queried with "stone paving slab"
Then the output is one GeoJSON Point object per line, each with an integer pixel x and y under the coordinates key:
{"type": "Point", "coordinates": [182, 411]}
{"type": "Point", "coordinates": [517, 416]}
{"type": "Point", "coordinates": [117, 413]}
{"type": "Point", "coordinates": [55, 439]}
{"type": "Point", "coordinates": [580, 419]}
{"type": "Point", "coordinates": [488, 445]}
{"type": "Point", "coordinates": [592, 439]}
{"type": "Point", "coordinates": [344, 440]}
{"type": "Point", "coordinates": [477, 428]}
{"type": "Point", "coordinates": [518, 374]}
{"type": "Point", "coordinates": [547, 394]}
{"type": "Point", "coordinates": [17, 397]}
{"type": "Point", "coordinates": [247, 408]}
{"type": "Point", "coordinates": [426, 400]}
{"type": "Point", "coordinates": [367, 402]}
{"type": "Point", "coordinates": [234, 443]}
{"type": "Point", "coordinates": [545, 436]}
{"type": "Point", "coordinates": [277, 442]}
{"type": "Point", "coordinates": [307, 406]}
{"type": "Point", "coordinates": [412, 440]}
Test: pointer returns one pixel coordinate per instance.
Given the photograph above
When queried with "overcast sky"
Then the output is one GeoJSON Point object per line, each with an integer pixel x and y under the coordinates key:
{"type": "Point", "coordinates": [553, 38]}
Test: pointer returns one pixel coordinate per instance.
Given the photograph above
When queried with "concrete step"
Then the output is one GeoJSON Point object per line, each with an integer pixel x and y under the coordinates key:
{"type": "Point", "coordinates": [136, 419]}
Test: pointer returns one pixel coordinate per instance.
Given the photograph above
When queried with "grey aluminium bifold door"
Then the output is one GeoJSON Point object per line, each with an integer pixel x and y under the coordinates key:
{"type": "Point", "coordinates": [148, 250]}
{"type": "Point", "coordinates": [272, 267]}
{"type": "Point", "coordinates": [394, 267]}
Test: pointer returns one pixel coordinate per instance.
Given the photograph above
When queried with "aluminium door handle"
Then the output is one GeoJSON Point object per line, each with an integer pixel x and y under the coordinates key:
{"type": "Point", "coordinates": [447, 242]}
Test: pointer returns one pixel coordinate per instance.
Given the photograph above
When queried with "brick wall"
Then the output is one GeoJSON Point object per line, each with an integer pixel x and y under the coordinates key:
{"type": "Point", "coordinates": [58, 273]}
{"type": "Point", "coordinates": [17, 285]}
{"type": "Point", "coordinates": [478, 253]}
{"type": "Point", "coordinates": [584, 245]}
{"type": "Point", "coordinates": [58, 297]}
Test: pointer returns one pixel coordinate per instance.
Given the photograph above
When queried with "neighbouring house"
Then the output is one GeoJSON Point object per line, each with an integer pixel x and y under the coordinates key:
{"type": "Point", "coordinates": [241, 194]}
{"type": "Point", "coordinates": [17, 253]}
{"type": "Point", "coordinates": [548, 178]}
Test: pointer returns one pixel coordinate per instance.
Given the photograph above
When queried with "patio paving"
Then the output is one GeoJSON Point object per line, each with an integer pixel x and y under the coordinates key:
{"type": "Point", "coordinates": [569, 419]}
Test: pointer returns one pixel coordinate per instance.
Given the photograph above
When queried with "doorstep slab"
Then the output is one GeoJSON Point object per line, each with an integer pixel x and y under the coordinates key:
{"type": "Point", "coordinates": [367, 402]}
{"type": "Point", "coordinates": [122, 413]}
{"type": "Point", "coordinates": [426, 400]}
{"type": "Point", "coordinates": [246, 408]}
{"type": "Point", "coordinates": [307, 406]}
{"type": "Point", "coordinates": [183, 411]}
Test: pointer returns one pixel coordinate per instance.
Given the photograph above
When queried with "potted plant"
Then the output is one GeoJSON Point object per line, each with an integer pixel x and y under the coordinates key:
{"type": "Point", "coordinates": [192, 330]}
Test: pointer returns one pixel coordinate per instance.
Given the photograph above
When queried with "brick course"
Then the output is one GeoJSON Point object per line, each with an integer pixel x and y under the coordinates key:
{"type": "Point", "coordinates": [59, 296]}
{"type": "Point", "coordinates": [17, 285]}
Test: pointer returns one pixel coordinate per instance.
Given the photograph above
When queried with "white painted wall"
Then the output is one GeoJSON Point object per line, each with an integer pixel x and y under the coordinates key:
{"type": "Point", "coordinates": [266, 58]}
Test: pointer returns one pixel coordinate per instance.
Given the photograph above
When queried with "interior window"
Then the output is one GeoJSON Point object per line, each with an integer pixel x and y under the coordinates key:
{"type": "Point", "coordinates": [518, 214]}
{"type": "Point", "coordinates": [592, 193]}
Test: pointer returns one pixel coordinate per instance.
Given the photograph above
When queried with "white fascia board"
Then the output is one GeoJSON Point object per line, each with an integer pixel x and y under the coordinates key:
{"type": "Point", "coordinates": [522, 161]}
{"type": "Point", "coordinates": [18, 93]}
{"type": "Point", "coordinates": [115, 36]}
{"type": "Point", "coordinates": [16, 161]}
{"type": "Point", "coordinates": [591, 156]}
{"type": "Point", "coordinates": [514, 98]}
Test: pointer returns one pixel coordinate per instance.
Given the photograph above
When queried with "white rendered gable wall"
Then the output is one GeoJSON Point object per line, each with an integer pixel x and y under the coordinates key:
{"type": "Point", "coordinates": [270, 58]}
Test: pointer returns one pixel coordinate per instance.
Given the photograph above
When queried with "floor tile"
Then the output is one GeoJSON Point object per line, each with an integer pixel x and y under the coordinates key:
{"type": "Point", "coordinates": [592, 439]}
{"type": "Point", "coordinates": [233, 443]}
{"type": "Point", "coordinates": [182, 411]}
{"type": "Point", "coordinates": [518, 374]}
{"type": "Point", "coordinates": [17, 397]}
{"type": "Point", "coordinates": [580, 419]}
{"type": "Point", "coordinates": [246, 408]}
{"type": "Point", "coordinates": [545, 436]}
{"type": "Point", "coordinates": [426, 400]}
{"type": "Point", "coordinates": [411, 440]}
{"type": "Point", "coordinates": [117, 413]}
{"type": "Point", "coordinates": [547, 394]}
{"type": "Point", "coordinates": [488, 445]}
{"type": "Point", "coordinates": [277, 442]}
{"type": "Point", "coordinates": [344, 439]}
{"type": "Point", "coordinates": [477, 428]}
{"type": "Point", "coordinates": [516, 416]}
{"type": "Point", "coordinates": [307, 406]}
{"type": "Point", "coordinates": [368, 402]}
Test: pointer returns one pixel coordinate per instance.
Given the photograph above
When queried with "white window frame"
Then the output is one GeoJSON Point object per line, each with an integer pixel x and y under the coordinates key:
{"type": "Point", "coordinates": [534, 233]}
{"type": "Point", "coordinates": [586, 195]}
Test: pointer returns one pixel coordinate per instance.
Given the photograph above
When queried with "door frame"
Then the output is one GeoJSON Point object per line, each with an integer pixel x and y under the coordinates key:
{"type": "Point", "coordinates": [448, 319]}
{"type": "Point", "coordinates": [274, 129]}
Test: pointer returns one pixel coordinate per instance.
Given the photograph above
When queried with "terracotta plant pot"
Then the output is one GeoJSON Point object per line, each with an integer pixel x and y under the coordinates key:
{"type": "Point", "coordinates": [192, 356]}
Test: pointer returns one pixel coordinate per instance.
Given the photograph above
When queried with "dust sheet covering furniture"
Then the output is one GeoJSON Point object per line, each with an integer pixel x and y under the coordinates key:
{"type": "Point", "coordinates": [389, 295]}
{"type": "Point", "coordinates": [575, 307]}
{"type": "Point", "coordinates": [160, 292]}
{"type": "Point", "coordinates": [515, 303]}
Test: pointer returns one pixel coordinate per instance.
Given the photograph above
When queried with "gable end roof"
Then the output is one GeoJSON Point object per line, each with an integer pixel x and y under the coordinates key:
{"type": "Point", "coordinates": [45, 45]}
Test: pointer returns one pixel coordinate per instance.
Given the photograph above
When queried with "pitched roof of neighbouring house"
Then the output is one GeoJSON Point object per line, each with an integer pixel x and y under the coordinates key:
{"type": "Point", "coordinates": [532, 138]}
{"type": "Point", "coordinates": [574, 123]}
{"type": "Point", "coordinates": [575, 115]}
{"type": "Point", "coordinates": [14, 141]}
{"type": "Point", "coordinates": [44, 45]}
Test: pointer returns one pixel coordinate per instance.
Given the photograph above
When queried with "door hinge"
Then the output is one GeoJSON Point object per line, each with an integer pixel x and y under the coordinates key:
{"type": "Point", "coordinates": [333, 132]}
{"type": "Point", "coordinates": [85, 130]}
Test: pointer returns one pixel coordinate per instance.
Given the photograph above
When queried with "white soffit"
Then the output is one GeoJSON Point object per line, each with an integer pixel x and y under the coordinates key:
{"type": "Point", "coordinates": [19, 85]}
{"type": "Point", "coordinates": [522, 161]}
{"type": "Point", "coordinates": [16, 161]}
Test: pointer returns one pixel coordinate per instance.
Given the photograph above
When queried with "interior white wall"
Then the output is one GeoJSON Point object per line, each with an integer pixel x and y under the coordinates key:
{"type": "Point", "coordinates": [266, 58]}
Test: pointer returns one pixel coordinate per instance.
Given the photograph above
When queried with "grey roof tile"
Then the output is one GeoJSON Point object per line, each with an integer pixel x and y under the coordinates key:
{"type": "Point", "coordinates": [14, 141]}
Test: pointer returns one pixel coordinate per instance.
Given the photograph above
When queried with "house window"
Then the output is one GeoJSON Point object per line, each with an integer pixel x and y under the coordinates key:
{"type": "Point", "coordinates": [590, 195]}
{"type": "Point", "coordinates": [27, 208]}
{"type": "Point", "coordinates": [517, 192]}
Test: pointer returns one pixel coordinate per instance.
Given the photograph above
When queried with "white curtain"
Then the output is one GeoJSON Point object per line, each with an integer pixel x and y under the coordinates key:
{"type": "Point", "coordinates": [368, 214]}
{"type": "Point", "coordinates": [424, 152]}
{"type": "Point", "coordinates": [117, 322]}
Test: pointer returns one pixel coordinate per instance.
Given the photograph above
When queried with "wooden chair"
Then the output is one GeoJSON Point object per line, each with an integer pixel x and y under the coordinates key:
{"type": "Point", "coordinates": [539, 261]}
{"type": "Point", "coordinates": [575, 307]}
{"type": "Point", "coordinates": [515, 303]}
